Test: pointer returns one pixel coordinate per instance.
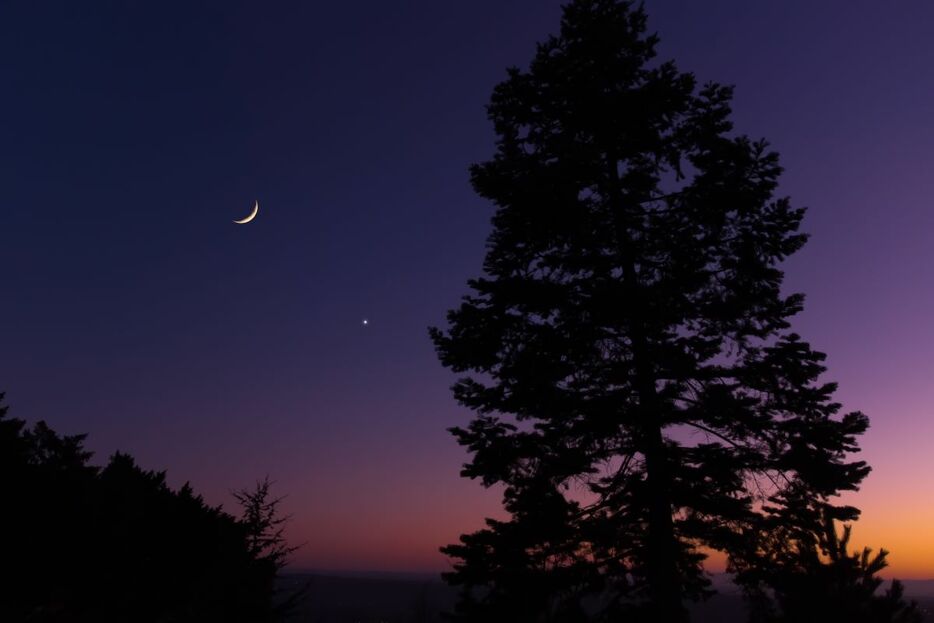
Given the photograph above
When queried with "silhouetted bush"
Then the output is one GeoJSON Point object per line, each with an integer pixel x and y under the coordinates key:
{"type": "Point", "coordinates": [811, 577]}
{"type": "Point", "coordinates": [83, 543]}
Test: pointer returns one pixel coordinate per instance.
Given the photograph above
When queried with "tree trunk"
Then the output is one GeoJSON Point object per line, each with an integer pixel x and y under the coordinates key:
{"type": "Point", "coordinates": [663, 576]}
{"type": "Point", "coordinates": [662, 565]}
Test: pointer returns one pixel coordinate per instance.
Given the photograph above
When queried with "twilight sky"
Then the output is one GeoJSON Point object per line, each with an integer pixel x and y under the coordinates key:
{"type": "Point", "coordinates": [132, 309]}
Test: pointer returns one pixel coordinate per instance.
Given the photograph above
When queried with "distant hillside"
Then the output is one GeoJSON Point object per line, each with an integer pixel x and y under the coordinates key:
{"type": "Point", "coordinates": [919, 589]}
{"type": "Point", "coordinates": [347, 599]}
{"type": "Point", "coordinates": [420, 598]}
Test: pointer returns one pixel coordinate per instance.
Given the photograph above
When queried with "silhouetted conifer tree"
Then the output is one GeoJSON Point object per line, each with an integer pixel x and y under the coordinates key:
{"type": "Point", "coordinates": [811, 577]}
{"type": "Point", "coordinates": [265, 525]}
{"type": "Point", "coordinates": [628, 353]}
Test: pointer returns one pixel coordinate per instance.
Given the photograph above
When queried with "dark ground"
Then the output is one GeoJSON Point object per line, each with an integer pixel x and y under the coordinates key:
{"type": "Point", "coordinates": [414, 599]}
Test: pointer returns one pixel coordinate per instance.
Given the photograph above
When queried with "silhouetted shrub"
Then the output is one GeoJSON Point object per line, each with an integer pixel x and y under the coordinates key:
{"type": "Point", "coordinates": [83, 543]}
{"type": "Point", "coordinates": [811, 577]}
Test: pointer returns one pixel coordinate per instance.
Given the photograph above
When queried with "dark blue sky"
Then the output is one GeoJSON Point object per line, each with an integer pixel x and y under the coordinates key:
{"type": "Point", "coordinates": [133, 309]}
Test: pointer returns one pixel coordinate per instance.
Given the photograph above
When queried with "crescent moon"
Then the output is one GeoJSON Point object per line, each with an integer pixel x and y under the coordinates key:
{"type": "Point", "coordinates": [251, 216]}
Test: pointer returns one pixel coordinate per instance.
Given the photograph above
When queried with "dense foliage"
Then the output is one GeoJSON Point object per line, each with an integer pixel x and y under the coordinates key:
{"type": "Point", "coordinates": [808, 576]}
{"type": "Point", "coordinates": [640, 395]}
{"type": "Point", "coordinates": [82, 543]}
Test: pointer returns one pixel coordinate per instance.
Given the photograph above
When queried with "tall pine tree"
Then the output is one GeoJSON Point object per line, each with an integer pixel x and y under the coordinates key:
{"type": "Point", "coordinates": [640, 396]}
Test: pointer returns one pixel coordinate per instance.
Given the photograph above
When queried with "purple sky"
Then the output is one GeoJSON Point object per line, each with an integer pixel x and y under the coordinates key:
{"type": "Point", "coordinates": [132, 308]}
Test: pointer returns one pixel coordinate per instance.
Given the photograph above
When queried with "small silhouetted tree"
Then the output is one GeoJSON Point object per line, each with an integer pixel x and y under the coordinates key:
{"type": "Point", "coordinates": [812, 577]}
{"type": "Point", "coordinates": [260, 514]}
{"type": "Point", "coordinates": [639, 392]}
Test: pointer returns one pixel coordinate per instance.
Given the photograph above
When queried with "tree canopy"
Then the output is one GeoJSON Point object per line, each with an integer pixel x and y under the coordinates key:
{"type": "Point", "coordinates": [640, 395]}
{"type": "Point", "coordinates": [84, 543]}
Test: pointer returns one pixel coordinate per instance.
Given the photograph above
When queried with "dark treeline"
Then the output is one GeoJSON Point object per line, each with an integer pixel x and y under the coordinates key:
{"type": "Point", "coordinates": [81, 543]}
{"type": "Point", "coordinates": [640, 396]}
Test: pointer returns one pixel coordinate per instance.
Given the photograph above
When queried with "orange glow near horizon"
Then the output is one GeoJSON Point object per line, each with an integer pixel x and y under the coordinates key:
{"type": "Point", "coordinates": [396, 543]}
